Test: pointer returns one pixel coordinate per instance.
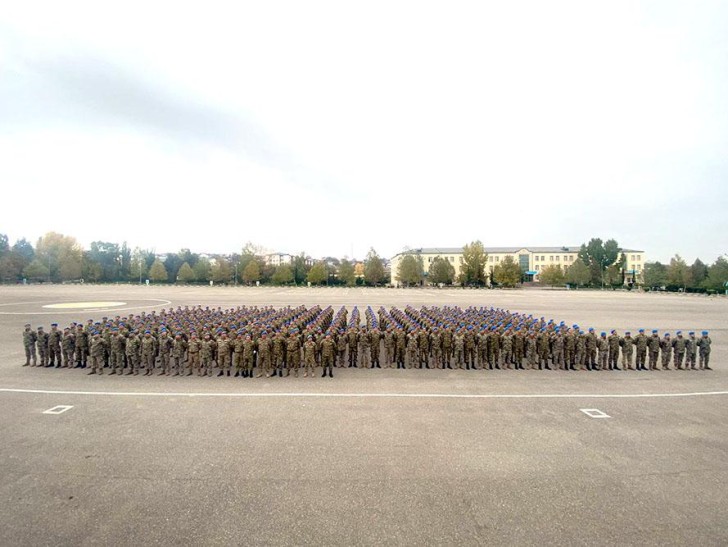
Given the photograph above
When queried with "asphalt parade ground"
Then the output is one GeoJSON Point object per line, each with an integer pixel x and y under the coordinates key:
{"type": "Point", "coordinates": [371, 456]}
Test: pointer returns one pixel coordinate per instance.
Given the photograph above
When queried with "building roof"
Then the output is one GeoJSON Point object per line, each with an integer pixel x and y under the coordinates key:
{"type": "Point", "coordinates": [501, 250]}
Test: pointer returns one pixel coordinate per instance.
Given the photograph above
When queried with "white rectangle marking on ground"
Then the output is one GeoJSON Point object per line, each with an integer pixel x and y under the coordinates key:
{"type": "Point", "coordinates": [594, 413]}
{"type": "Point", "coordinates": [60, 409]}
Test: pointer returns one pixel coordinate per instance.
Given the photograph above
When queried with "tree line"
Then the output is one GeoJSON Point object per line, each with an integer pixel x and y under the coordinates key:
{"type": "Point", "coordinates": [57, 258]}
{"type": "Point", "coordinates": [599, 264]}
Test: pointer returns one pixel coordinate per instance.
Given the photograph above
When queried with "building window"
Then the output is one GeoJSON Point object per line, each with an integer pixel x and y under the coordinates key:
{"type": "Point", "coordinates": [497, 259]}
{"type": "Point", "coordinates": [490, 259]}
{"type": "Point", "coordinates": [538, 267]}
{"type": "Point", "coordinates": [551, 258]}
{"type": "Point", "coordinates": [639, 257]}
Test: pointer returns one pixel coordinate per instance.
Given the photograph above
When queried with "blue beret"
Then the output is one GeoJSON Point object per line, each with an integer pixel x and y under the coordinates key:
{"type": "Point", "coordinates": [679, 332]}
{"type": "Point", "coordinates": [642, 330]}
{"type": "Point", "coordinates": [691, 332]}
{"type": "Point", "coordinates": [705, 333]}
{"type": "Point", "coordinates": [604, 334]}
{"type": "Point", "coordinates": [54, 324]}
{"type": "Point", "coordinates": [654, 331]}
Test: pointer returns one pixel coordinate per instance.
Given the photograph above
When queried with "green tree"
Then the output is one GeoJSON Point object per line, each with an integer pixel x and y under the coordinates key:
{"type": "Point", "coordinates": [52, 247]}
{"type": "Point", "coordinates": [717, 275]}
{"type": "Point", "coordinates": [13, 261]}
{"type": "Point", "coordinates": [472, 269]}
{"type": "Point", "coordinates": [70, 264]}
{"type": "Point", "coordinates": [614, 275]}
{"type": "Point", "coordinates": [374, 268]}
{"type": "Point", "coordinates": [202, 270]}
{"type": "Point", "coordinates": [552, 275]}
{"type": "Point", "coordinates": [4, 245]}
{"type": "Point", "coordinates": [37, 270]}
{"type": "Point", "coordinates": [299, 267]}
{"type": "Point", "coordinates": [186, 274]}
{"type": "Point", "coordinates": [578, 273]}
{"type": "Point", "coordinates": [108, 256]}
{"type": "Point", "coordinates": [283, 275]}
{"type": "Point", "coordinates": [699, 273]}
{"type": "Point", "coordinates": [410, 270]}
{"type": "Point", "coordinates": [346, 273]}
{"type": "Point", "coordinates": [221, 271]}
{"type": "Point", "coordinates": [598, 256]}
{"type": "Point", "coordinates": [251, 273]}
{"type": "Point", "coordinates": [507, 273]}
{"type": "Point", "coordinates": [158, 272]}
{"type": "Point", "coordinates": [678, 273]}
{"type": "Point", "coordinates": [317, 274]}
{"type": "Point", "coordinates": [185, 255]}
{"type": "Point", "coordinates": [441, 271]}
{"type": "Point", "coordinates": [138, 269]}
{"type": "Point", "coordinates": [172, 264]}
{"type": "Point", "coordinates": [655, 274]}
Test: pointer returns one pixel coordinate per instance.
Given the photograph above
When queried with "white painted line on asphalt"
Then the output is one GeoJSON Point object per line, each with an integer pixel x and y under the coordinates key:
{"type": "Point", "coordinates": [161, 302]}
{"type": "Point", "coordinates": [594, 413]}
{"type": "Point", "coordinates": [369, 395]}
{"type": "Point", "coordinates": [60, 409]}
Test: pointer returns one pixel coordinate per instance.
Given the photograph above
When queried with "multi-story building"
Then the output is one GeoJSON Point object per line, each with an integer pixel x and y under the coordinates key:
{"type": "Point", "coordinates": [530, 259]}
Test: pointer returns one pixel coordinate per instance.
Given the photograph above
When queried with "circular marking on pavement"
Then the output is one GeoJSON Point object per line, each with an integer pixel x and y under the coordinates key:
{"type": "Point", "coordinates": [83, 305]}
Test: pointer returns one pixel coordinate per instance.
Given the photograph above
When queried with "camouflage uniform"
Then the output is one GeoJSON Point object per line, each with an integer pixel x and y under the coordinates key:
{"type": "Point", "coordinates": [603, 351]}
{"type": "Point", "coordinates": [206, 354]}
{"type": "Point", "coordinates": [691, 351]}
{"type": "Point", "coordinates": [264, 355]}
{"type": "Point", "coordinates": [224, 350]}
{"type": "Point", "coordinates": [98, 350]}
{"type": "Point", "coordinates": [42, 342]}
{"type": "Point", "coordinates": [640, 343]}
{"type": "Point", "coordinates": [29, 340]}
{"type": "Point", "coordinates": [678, 346]}
{"type": "Point", "coordinates": [666, 351]}
{"type": "Point", "coordinates": [328, 349]}
{"type": "Point", "coordinates": [704, 351]}
{"type": "Point", "coordinates": [117, 345]}
{"type": "Point", "coordinates": [293, 354]}
{"type": "Point", "coordinates": [309, 357]}
{"type": "Point", "coordinates": [81, 346]}
{"type": "Point", "coordinates": [148, 352]}
{"type": "Point", "coordinates": [653, 345]}
{"type": "Point", "coordinates": [68, 346]}
{"type": "Point", "coordinates": [54, 346]}
{"type": "Point", "coordinates": [179, 346]}
{"type": "Point", "coordinates": [613, 342]}
{"type": "Point", "coordinates": [193, 355]}
{"type": "Point", "coordinates": [627, 343]}
{"type": "Point", "coordinates": [133, 353]}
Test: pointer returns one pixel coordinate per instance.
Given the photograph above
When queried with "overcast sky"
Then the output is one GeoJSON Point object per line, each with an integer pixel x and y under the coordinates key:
{"type": "Point", "coordinates": [332, 127]}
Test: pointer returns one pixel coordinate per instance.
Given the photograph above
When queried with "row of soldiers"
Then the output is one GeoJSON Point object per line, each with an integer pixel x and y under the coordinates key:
{"type": "Point", "coordinates": [282, 341]}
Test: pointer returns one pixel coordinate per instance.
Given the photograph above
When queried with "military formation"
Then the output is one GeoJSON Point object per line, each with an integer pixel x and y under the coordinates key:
{"type": "Point", "coordinates": [248, 342]}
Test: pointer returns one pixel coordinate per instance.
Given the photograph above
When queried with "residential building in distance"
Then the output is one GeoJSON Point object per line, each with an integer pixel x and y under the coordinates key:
{"type": "Point", "coordinates": [530, 259]}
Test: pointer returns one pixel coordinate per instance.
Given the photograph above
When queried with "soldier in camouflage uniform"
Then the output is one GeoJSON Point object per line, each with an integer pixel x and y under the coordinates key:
{"type": "Point", "coordinates": [542, 348]}
{"type": "Point", "coordinates": [436, 348]}
{"type": "Point", "coordinates": [411, 350]}
{"type": "Point", "coordinates": [193, 355]}
{"type": "Point", "coordinates": [206, 354]}
{"type": "Point", "coordinates": [375, 337]}
{"type": "Point", "coordinates": [179, 347]}
{"type": "Point", "coordinates": [400, 347]}
{"type": "Point", "coordinates": [591, 350]}
{"type": "Point", "coordinates": [640, 343]}
{"type": "Point", "coordinates": [507, 350]}
{"type": "Point", "coordinates": [148, 352]}
{"type": "Point", "coordinates": [42, 342]}
{"type": "Point", "coordinates": [653, 346]}
{"type": "Point", "coordinates": [613, 342]}
{"type": "Point", "coordinates": [627, 344]}
{"type": "Point", "coordinates": [164, 349]}
{"type": "Point", "coordinates": [691, 351]}
{"type": "Point", "coordinates": [133, 353]}
{"type": "Point", "coordinates": [678, 346]}
{"type": "Point", "coordinates": [29, 340]}
{"type": "Point", "coordinates": [81, 346]}
{"type": "Point", "coordinates": [352, 338]}
{"type": "Point", "coordinates": [117, 345]}
{"type": "Point", "coordinates": [68, 346]}
{"type": "Point", "coordinates": [469, 348]}
{"type": "Point", "coordinates": [666, 351]}
{"type": "Point", "coordinates": [704, 351]}
{"type": "Point", "coordinates": [447, 341]}
{"type": "Point", "coordinates": [54, 346]}
{"type": "Point", "coordinates": [309, 357]}
{"type": "Point", "coordinates": [557, 349]}
{"type": "Point", "coordinates": [293, 353]}
{"type": "Point", "coordinates": [248, 354]}
{"type": "Point", "coordinates": [365, 348]}
{"type": "Point", "coordinates": [603, 351]}
{"type": "Point", "coordinates": [264, 355]}
{"type": "Point", "coordinates": [328, 348]}
{"type": "Point", "coordinates": [224, 352]}
{"type": "Point", "coordinates": [341, 344]}
{"type": "Point", "coordinates": [389, 342]}
{"type": "Point", "coordinates": [580, 354]}
{"type": "Point", "coordinates": [98, 350]}
{"type": "Point", "coordinates": [279, 352]}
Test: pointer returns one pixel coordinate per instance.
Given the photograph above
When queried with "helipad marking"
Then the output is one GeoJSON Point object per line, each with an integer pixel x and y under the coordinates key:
{"type": "Point", "coordinates": [84, 305]}
{"type": "Point", "coordinates": [59, 409]}
{"type": "Point", "coordinates": [594, 413]}
{"type": "Point", "coordinates": [161, 302]}
{"type": "Point", "coordinates": [370, 395]}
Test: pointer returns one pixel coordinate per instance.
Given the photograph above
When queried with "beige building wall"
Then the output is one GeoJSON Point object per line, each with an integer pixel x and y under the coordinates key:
{"type": "Point", "coordinates": [538, 258]}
